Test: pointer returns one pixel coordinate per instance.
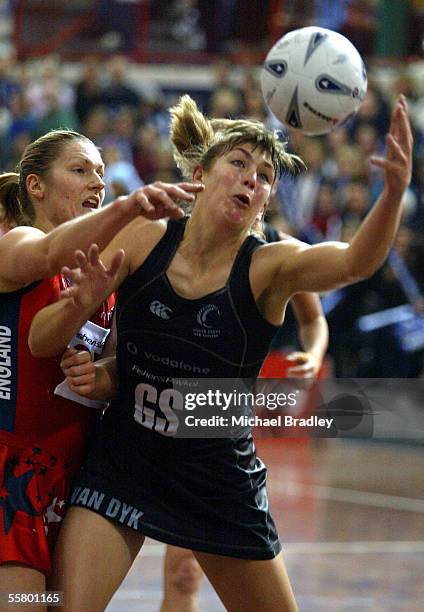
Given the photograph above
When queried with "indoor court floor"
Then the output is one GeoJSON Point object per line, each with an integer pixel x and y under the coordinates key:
{"type": "Point", "coordinates": [350, 515]}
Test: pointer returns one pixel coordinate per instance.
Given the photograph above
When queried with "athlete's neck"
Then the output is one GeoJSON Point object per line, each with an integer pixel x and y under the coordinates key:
{"type": "Point", "coordinates": [203, 238]}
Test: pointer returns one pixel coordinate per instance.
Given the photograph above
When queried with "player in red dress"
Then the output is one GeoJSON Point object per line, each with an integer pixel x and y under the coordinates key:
{"type": "Point", "coordinates": [42, 435]}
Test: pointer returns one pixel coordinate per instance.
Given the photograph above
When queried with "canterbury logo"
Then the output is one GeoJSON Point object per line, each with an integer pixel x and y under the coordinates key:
{"type": "Point", "coordinates": [160, 310]}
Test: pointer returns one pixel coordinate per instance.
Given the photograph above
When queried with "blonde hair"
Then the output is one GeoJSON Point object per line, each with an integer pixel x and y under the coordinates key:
{"type": "Point", "coordinates": [198, 141]}
{"type": "Point", "coordinates": [16, 207]}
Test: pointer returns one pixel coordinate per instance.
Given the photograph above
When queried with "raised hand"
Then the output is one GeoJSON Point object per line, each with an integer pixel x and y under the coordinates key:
{"type": "Point", "coordinates": [397, 164]}
{"type": "Point", "coordinates": [91, 281]}
{"type": "Point", "coordinates": [159, 200]}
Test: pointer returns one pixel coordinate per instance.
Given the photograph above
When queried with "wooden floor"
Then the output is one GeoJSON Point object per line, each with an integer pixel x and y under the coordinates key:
{"type": "Point", "coordinates": [351, 518]}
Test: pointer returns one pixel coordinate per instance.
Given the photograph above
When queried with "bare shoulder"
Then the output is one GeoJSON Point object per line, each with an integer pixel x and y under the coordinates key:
{"type": "Point", "coordinates": [19, 234]}
{"type": "Point", "coordinates": [267, 260]}
{"type": "Point", "coordinates": [275, 253]}
{"type": "Point", "coordinates": [17, 246]}
{"type": "Point", "coordinates": [272, 265]}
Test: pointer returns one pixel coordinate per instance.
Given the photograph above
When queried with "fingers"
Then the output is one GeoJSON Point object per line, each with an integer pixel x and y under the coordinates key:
{"type": "Point", "coordinates": [84, 390]}
{"type": "Point", "coordinates": [69, 352]}
{"type": "Point", "coordinates": [143, 202]}
{"type": "Point", "coordinates": [79, 370]}
{"type": "Point", "coordinates": [191, 187]}
{"type": "Point", "coordinates": [400, 126]}
{"type": "Point", "coordinates": [75, 359]}
{"type": "Point", "coordinates": [93, 255]}
{"type": "Point", "coordinates": [159, 199]}
{"type": "Point", "coordinates": [91, 262]}
{"type": "Point", "coordinates": [394, 152]}
{"type": "Point", "coordinates": [162, 196]}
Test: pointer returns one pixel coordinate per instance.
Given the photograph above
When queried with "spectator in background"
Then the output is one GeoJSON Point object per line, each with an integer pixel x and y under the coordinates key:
{"type": "Point", "coordinates": [40, 90]}
{"type": "Point", "coordinates": [15, 151]}
{"type": "Point", "coordinates": [118, 92]}
{"type": "Point", "coordinates": [374, 110]}
{"type": "Point", "coordinates": [186, 28]}
{"type": "Point", "coordinates": [19, 121]}
{"type": "Point", "coordinates": [88, 88]}
{"type": "Point", "coordinates": [8, 89]}
{"type": "Point", "coordinates": [96, 125]}
{"type": "Point", "coordinates": [367, 139]}
{"type": "Point", "coordinates": [326, 220]}
{"type": "Point", "coordinates": [55, 115]}
{"type": "Point", "coordinates": [146, 152]}
{"type": "Point", "coordinates": [21, 117]}
{"type": "Point", "coordinates": [307, 185]}
{"type": "Point", "coordinates": [351, 164]}
{"type": "Point", "coordinates": [231, 99]}
{"type": "Point", "coordinates": [159, 118]}
{"type": "Point", "coordinates": [225, 103]}
{"type": "Point", "coordinates": [122, 132]}
{"type": "Point", "coordinates": [255, 107]}
{"type": "Point", "coordinates": [8, 84]}
{"type": "Point", "coordinates": [166, 166]}
{"type": "Point", "coordinates": [333, 141]}
{"type": "Point", "coordinates": [355, 202]}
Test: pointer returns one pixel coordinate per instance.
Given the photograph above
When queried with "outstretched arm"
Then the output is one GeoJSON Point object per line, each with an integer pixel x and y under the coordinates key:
{"type": "Point", "coordinates": [330, 265]}
{"type": "Point", "coordinates": [313, 332]}
{"type": "Point", "coordinates": [42, 255]}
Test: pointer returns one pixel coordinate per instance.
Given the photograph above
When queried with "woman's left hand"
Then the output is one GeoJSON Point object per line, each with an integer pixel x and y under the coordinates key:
{"type": "Point", "coordinates": [397, 164]}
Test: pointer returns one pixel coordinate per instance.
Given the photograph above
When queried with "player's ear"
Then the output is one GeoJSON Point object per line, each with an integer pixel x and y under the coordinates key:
{"type": "Point", "coordinates": [197, 174]}
{"type": "Point", "coordinates": [35, 186]}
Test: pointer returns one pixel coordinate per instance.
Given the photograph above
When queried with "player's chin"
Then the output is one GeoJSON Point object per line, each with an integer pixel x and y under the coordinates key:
{"type": "Point", "coordinates": [239, 217]}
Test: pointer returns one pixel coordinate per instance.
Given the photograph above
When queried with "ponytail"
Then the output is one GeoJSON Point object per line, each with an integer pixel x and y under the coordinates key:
{"type": "Point", "coordinates": [191, 134]}
{"type": "Point", "coordinates": [13, 211]}
{"type": "Point", "coordinates": [198, 141]}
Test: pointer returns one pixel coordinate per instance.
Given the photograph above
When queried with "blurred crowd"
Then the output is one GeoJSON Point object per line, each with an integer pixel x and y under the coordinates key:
{"type": "Point", "coordinates": [130, 123]}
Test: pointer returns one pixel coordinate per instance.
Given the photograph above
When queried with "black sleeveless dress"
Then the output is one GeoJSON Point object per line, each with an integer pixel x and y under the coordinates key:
{"type": "Point", "coordinates": [205, 494]}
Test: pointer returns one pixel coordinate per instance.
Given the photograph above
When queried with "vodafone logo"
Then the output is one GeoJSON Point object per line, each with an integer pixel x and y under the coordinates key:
{"type": "Point", "coordinates": [160, 310]}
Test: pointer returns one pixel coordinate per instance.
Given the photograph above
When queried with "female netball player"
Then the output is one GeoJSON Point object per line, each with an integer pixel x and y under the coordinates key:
{"type": "Point", "coordinates": [182, 573]}
{"type": "Point", "coordinates": [204, 295]}
{"type": "Point", "coordinates": [42, 436]}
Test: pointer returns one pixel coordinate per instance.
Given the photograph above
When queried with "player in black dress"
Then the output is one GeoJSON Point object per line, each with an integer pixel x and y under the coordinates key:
{"type": "Point", "coordinates": [202, 298]}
